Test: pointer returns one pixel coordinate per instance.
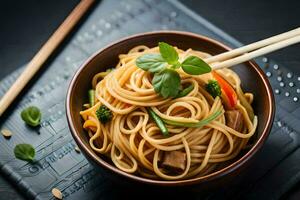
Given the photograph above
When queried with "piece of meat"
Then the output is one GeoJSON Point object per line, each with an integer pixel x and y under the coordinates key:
{"type": "Point", "coordinates": [174, 160]}
{"type": "Point", "coordinates": [234, 119]}
{"type": "Point", "coordinates": [160, 157]}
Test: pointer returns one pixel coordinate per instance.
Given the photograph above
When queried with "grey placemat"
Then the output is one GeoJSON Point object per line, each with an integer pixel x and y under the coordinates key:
{"type": "Point", "coordinates": [60, 166]}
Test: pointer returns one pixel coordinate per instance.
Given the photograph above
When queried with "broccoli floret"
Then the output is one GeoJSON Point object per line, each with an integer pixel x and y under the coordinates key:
{"type": "Point", "coordinates": [104, 114]}
{"type": "Point", "coordinates": [213, 88]}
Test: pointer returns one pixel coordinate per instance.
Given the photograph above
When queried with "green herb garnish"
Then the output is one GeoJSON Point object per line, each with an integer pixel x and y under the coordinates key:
{"type": "Point", "coordinates": [104, 114]}
{"type": "Point", "coordinates": [169, 54]}
{"type": "Point", "coordinates": [195, 66]}
{"type": "Point", "coordinates": [199, 124]}
{"type": "Point", "coordinates": [185, 91]}
{"type": "Point", "coordinates": [151, 62]}
{"type": "Point", "coordinates": [166, 83]}
{"type": "Point", "coordinates": [159, 122]}
{"type": "Point", "coordinates": [92, 97]}
{"type": "Point", "coordinates": [31, 116]}
{"type": "Point", "coordinates": [166, 80]}
{"type": "Point", "coordinates": [213, 88]}
{"type": "Point", "coordinates": [24, 152]}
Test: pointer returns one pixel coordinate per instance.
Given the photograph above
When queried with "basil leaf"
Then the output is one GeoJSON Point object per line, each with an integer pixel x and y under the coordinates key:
{"type": "Point", "coordinates": [195, 66]}
{"type": "Point", "coordinates": [31, 116]}
{"type": "Point", "coordinates": [24, 152]}
{"type": "Point", "coordinates": [151, 62]}
{"type": "Point", "coordinates": [168, 53]}
{"type": "Point", "coordinates": [166, 83]}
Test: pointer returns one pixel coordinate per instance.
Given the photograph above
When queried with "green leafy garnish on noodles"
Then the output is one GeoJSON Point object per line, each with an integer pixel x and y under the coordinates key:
{"type": "Point", "coordinates": [166, 80]}
{"type": "Point", "coordinates": [199, 124]}
{"type": "Point", "coordinates": [167, 83]}
{"type": "Point", "coordinates": [151, 62]}
{"type": "Point", "coordinates": [195, 66]}
{"type": "Point", "coordinates": [169, 54]}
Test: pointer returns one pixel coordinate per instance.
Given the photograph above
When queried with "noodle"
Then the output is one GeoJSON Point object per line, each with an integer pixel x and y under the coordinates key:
{"type": "Point", "coordinates": [132, 139]}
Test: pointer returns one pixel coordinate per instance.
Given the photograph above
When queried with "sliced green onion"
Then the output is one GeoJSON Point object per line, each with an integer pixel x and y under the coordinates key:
{"type": "Point", "coordinates": [159, 122]}
{"type": "Point", "coordinates": [199, 124]}
{"type": "Point", "coordinates": [92, 97]}
{"type": "Point", "coordinates": [185, 91]}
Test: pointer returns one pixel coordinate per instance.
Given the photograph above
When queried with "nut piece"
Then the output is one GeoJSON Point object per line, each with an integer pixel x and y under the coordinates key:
{"type": "Point", "coordinates": [77, 149]}
{"type": "Point", "coordinates": [57, 193]}
{"type": "Point", "coordinates": [6, 133]}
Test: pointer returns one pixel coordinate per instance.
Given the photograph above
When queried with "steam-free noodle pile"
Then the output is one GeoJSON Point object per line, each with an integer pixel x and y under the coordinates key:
{"type": "Point", "coordinates": [132, 139]}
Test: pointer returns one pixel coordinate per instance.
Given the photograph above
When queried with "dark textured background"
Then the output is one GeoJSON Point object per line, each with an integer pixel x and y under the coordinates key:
{"type": "Point", "coordinates": [26, 25]}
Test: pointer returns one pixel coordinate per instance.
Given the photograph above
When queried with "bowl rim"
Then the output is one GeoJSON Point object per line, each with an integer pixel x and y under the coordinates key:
{"type": "Point", "coordinates": [212, 176]}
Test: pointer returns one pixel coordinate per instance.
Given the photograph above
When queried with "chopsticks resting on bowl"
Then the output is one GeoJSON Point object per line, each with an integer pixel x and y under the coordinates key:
{"type": "Point", "coordinates": [256, 49]}
{"type": "Point", "coordinates": [47, 49]}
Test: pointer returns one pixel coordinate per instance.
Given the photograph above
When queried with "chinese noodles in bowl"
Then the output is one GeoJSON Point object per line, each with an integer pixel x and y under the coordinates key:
{"type": "Point", "coordinates": [206, 137]}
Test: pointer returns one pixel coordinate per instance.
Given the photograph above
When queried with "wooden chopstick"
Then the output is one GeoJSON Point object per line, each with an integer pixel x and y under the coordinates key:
{"type": "Point", "coordinates": [257, 53]}
{"type": "Point", "coordinates": [256, 49]}
{"type": "Point", "coordinates": [253, 46]}
{"type": "Point", "coordinates": [47, 49]}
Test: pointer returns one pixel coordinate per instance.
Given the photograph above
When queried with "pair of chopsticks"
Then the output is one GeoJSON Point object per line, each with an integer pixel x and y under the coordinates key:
{"type": "Point", "coordinates": [254, 50]}
{"type": "Point", "coordinates": [47, 49]}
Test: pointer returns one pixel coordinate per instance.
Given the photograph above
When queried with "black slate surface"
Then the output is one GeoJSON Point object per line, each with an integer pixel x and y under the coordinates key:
{"type": "Point", "coordinates": [288, 140]}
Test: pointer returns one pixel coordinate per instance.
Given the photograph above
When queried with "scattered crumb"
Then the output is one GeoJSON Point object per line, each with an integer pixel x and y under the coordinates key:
{"type": "Point", "coordinates": [6, 133]}
{"type": "Point", "coordinates": [77, 149]}
{"type": "Point", "coordinates": [86, 105]}
{"type": "Point", "coordinates": [57, 193]}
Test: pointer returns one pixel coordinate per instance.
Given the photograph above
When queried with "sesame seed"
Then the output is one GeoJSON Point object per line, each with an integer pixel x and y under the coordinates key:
{"type": "Point", "coordinates": [57, 193]}
{"type": "Point", "coordinates": [291, 84]}
{"type": "Point", "coordinates": [279, 124]}
{"type": "Point", "coordinates": [269, 74]}
{"type": "Point", "coordinates": [264, 59]}
{"type": "Point", "coordinates": [6, 133]}
{"type": "Point", "coordinates": [289, 75]}
{"type": "Point", "coordinates": [77, 149]}
{"type": "Point", "coordinates": [279, 78]}
{"type": "Point", "coordinates": [287, 94]}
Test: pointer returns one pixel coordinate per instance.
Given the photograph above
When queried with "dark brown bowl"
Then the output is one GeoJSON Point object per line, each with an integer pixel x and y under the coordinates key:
{"type": "Point", "coordinates": [253, 80]}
